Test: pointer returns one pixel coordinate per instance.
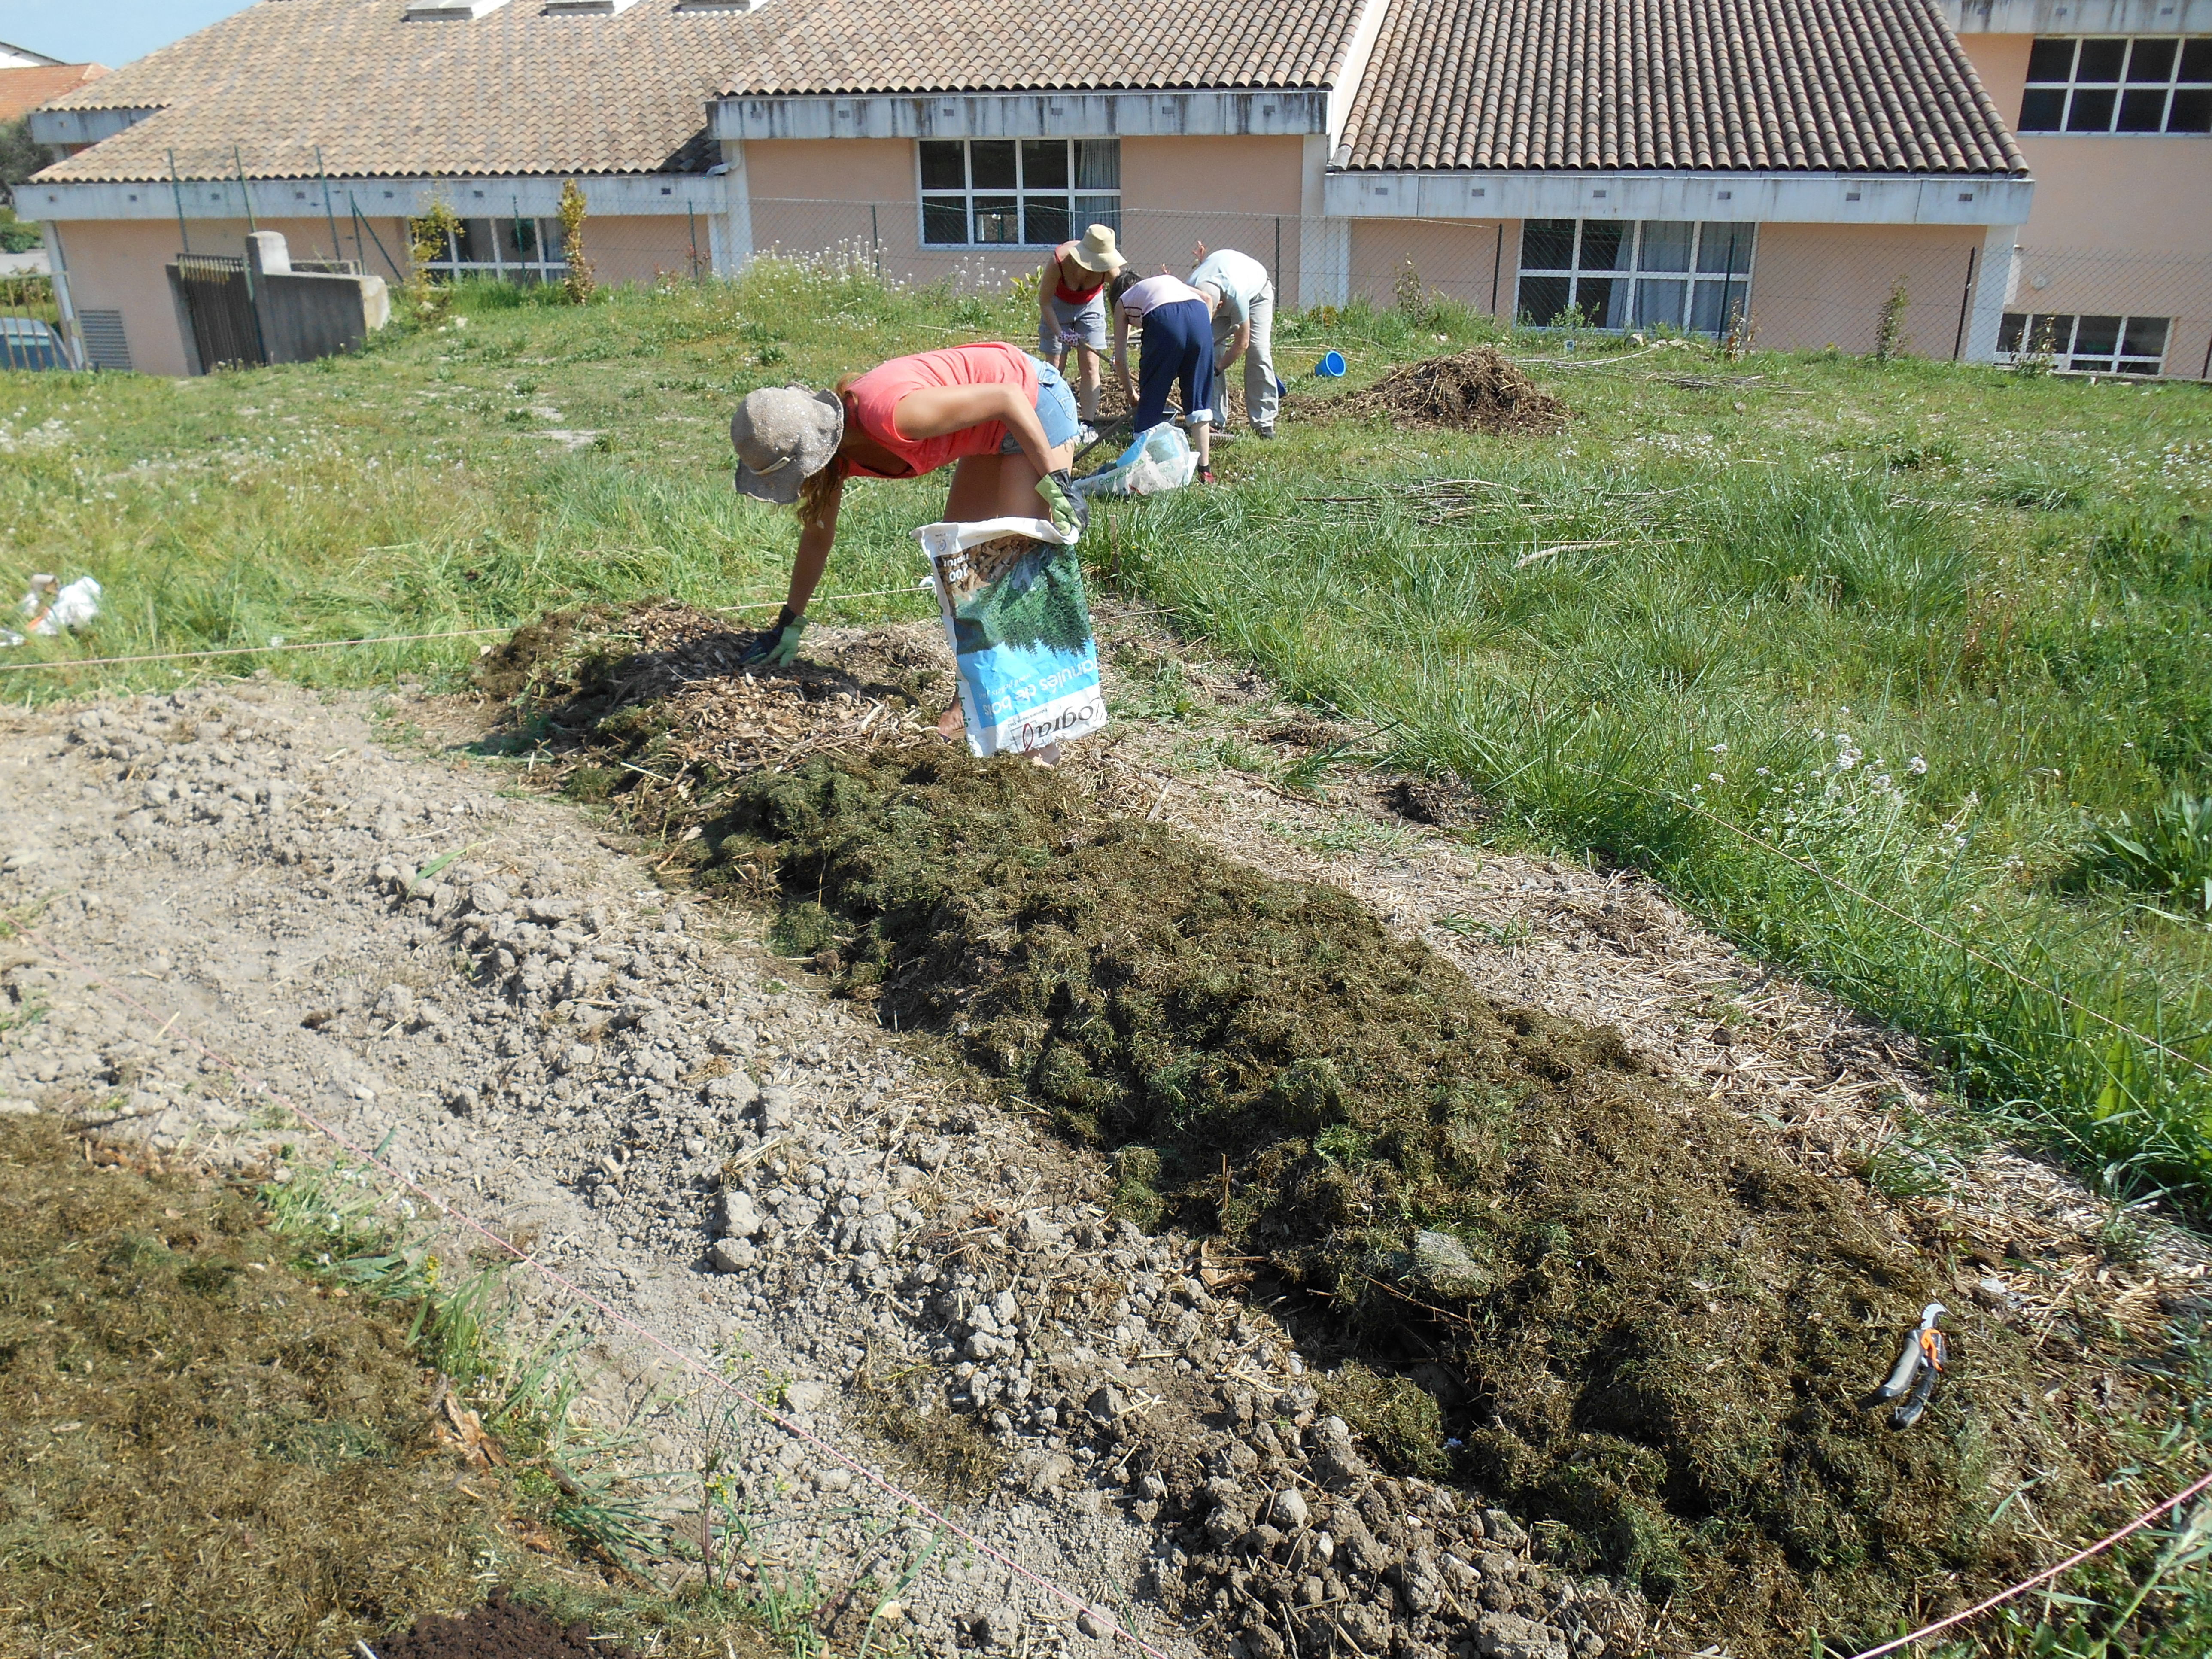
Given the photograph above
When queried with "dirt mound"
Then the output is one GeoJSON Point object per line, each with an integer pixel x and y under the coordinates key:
{"type": "Point", "coordinates": [501, 1629]}
{"type": "Point", "coordinates": [1477, 389]}
{"type": "Point", "coordinates": [1575, 1290]}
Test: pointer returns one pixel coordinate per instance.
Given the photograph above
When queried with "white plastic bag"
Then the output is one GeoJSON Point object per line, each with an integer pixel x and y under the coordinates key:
{"type": "Point", "coordinates": [1160, 459]}
{"type": "Point", "coordinates": [53, 607]}
{"type": "Point", "coordinates": [1011, 592]}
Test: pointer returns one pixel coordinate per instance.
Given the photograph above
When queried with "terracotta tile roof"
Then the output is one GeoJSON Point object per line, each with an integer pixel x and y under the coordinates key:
{"type": "Point", "coordinates": [25, 90]}
{"type": "Point", "coordinates": [1796, 85]}
{"type": "Point", "coordinates": [832, 46]}
{"type": "Point", "coordinates": [517, 91]}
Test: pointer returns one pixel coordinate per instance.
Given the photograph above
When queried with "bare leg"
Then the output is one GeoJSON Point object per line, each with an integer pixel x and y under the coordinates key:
{"type": "Point", "coordinates": [1086, 400]}
{"type": "Point", "coordinates": [1201, 440]}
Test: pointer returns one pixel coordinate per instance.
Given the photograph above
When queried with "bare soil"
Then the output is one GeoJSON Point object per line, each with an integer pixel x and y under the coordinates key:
{"type": "Point", "coordinates": [500, 1628]}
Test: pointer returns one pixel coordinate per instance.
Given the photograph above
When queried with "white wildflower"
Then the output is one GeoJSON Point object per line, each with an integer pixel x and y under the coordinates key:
{"type": "Point", "coordinates": [1916, 766]}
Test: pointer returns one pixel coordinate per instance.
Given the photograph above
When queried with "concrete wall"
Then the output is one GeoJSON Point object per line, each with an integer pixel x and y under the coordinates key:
{"type": "Point", "coordinates": [809, 195]}
{"type": "Point", "coordinates": [1457, 259]}
{"type": "Point", "coordinates": [2122, 224]}
{"type": "Point", "coordinates": [1819, 285]}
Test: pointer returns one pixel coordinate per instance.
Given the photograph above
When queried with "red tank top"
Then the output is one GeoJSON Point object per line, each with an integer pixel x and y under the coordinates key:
{"type": "Point", "coordinates": [873, 399]}
{"type": "Point", "coordinates": [1092, 280]}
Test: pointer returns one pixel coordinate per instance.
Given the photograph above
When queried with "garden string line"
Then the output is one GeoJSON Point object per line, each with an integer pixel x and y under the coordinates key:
{"type": "Point", "coordinates": [381, 639]}
{"type": "Point", "coordinates": [2075, 1559]}
{"type": "Point", "coordinates": [899, 1494]}
{"type": "Point", "coordinates": [577, 1293]}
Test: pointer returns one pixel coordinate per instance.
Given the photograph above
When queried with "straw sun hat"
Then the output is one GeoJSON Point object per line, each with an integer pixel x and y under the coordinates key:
{"type": "Point", "coordinates": [1096, 252]}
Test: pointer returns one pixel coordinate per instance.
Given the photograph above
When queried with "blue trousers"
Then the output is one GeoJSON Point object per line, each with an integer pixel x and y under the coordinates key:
{"type": "Point", "coordinates": [1178, 345]}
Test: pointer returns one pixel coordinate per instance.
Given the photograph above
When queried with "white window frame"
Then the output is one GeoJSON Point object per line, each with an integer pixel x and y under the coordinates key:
{"type": "Point", "coordinates": [2029, 333]}
{"type": "Point", "coordinates": [2072, 89]}
{"type": "Point", "coordinates": [1099, 205]}
{"type": "Point", "coordinates": [1733, 279]}
{"type": "Point", "coordinates": [550, 264]}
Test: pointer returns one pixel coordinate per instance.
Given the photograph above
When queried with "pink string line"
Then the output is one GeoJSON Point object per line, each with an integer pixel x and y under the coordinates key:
{"type": "Point", "coordinates": [2075, 1559]}
{"type": "Point", "coordinates": [379, 639]}
{"type": "Point", "coordinates": [579, 1293]}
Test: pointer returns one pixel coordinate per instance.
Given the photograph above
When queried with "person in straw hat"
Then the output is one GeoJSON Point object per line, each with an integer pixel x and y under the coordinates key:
{"type": "Point", "coordinates": [1004, 422]}
{"type": "Point", "coordinates": [1072, 308]}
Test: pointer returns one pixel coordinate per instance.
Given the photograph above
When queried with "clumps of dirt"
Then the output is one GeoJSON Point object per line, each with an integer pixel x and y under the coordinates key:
{"type": "Point", "coordinates": [1478, 390]}
{"type": "Point", "coordinates": [501, 1629]}
{"type": "Point", "coordinates": [1442, 803]}
{"type": "Point", "coordinates": [1640, 1323]}
{"type": "Point", "coordinates": [211, 1452]}
{"type": "Point", "coordinates": [536, 653]}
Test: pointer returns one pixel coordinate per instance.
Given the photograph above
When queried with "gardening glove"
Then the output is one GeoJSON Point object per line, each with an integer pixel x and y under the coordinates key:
{"type": "Point", "coordinates": [777, 644]}
{"type": "Point", "coordinates": [1070, 512]}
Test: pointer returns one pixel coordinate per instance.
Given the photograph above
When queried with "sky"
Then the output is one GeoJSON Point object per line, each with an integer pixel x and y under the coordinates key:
{"type": "Point", "coordinates": [110, 32]}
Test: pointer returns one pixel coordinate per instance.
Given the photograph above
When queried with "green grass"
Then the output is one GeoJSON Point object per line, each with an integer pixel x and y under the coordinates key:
{"type": "Point", "coordinates": [1938, 634]}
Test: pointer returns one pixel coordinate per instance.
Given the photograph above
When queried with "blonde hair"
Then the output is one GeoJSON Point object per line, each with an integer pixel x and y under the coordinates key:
{"type": "Point", "coordinates": [815, 492]}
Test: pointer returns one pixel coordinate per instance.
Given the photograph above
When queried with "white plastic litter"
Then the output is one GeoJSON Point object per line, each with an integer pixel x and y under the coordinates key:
{"type": "Point", "coordinates": [51, 607]}
{"type": "Point", "coordinates": [1160, 459]}
{"type": "Point", "coordinates": [1012, 595]}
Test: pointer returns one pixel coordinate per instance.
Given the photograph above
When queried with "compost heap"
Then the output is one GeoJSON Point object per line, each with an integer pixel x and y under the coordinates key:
{"type": "Point", "coordinates": [1631, 1318]}
{"type": "Point", "coordinates": [1474, 391]}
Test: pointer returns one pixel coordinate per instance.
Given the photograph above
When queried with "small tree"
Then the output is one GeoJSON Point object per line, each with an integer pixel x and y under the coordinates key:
{"type": "Point", "coordinates": [1890, 342]}
{"type": "Point", "coordinates": [20, 156]}
{"type": "Point", "coordinates": [430, 237]}
{"type": "Point", "coordinates": [579, 283]}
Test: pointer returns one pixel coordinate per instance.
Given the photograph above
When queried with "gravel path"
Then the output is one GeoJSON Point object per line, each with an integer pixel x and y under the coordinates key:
{"type": "Point", "coordinates": [465, 971]}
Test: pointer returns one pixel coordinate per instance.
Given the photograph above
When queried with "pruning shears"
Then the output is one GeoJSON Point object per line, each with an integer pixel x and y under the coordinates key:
{"type": "Point", "coordinates": [1913, 1378]}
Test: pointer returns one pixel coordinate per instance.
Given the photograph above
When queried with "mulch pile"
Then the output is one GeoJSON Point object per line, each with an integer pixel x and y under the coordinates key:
{"type": "Point", "coordinates": [501, 1629]}
{"type": "Point", "coordinates": [1474, 391]}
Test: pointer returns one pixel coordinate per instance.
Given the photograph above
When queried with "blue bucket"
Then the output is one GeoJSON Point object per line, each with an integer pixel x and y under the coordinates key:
{"type": "Point", "coordinates": [1330, 366]}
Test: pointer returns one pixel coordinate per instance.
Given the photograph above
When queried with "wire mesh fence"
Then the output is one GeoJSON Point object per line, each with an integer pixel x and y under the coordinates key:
{"type": "Point", "coordinates": [1952, 293]}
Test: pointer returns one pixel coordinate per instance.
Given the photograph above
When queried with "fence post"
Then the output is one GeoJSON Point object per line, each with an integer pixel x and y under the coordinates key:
{"type": "Point", "coordinates": [1277, 274]}
{"type": "Point", "coordinates": [1497, 264]}
{"type": "Point", "coordinates": [691, 219]}
{"type": "Point", "coordinates": [330, 218]}
{"type": "Point", "coordinates": [1966, 304]}
{"type": "Point", "coordinates": [245, 191]}
{"type": "Point", "coordinates": [177, 189]}
{"type": "Point", "coordinates": [875, 242]}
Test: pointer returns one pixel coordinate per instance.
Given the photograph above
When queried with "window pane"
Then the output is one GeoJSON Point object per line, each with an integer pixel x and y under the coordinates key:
{"type": "Point", "coordinates": [993, 164]}
{"type": "Point", "coordinates": [1725, 248]}
{"type": "Point", "coordinates": [2050, 60]}
{"type": "Point", "coordinates": [2196, 59]}
{"type": "Point", "coordinates": [2142, 111]}
{"type": "Point", "coordinates": [1659, 305]}
{"type": "Point", "coordinates": [2138, 366]}
{"type": "Point", "coordinates": [1543, 298]}
{"type": "Point", "coordinates": [1044, 164]}
{"type": "Point", "coordinates": [2041, 109]}
{"type": "Point", "coordinates": [1044, 219]}
{"type": "Point", "coordinates": [944, 221]}
{"type": "Point", "coordinates": [996, 219]}
{"type": "Point", "coordinates": [2053, 334]}
{"type": "Point", "coordinates": [1666, 245]}
{"type": "Point", "coordinates": [2009, 332]}
{"type": "Point", "coordinates": [1548, 244]}
{"type": "Point", "coordinates": [1602, 302]}
{"type": "Point", "coordinates": [2100, 60]}
{"type": "Point", "coordinates": [2145, 337]}
{"type": "Point", "coordinates": [1605, 244]}
{"type": "Point", "coordinates": [1098, 164]}
{"type": "Point", "coordinates": [2151, 60]}
{"type": "Point", "coordinates": [2191, 111]}
{"type": "Point", "coordinates": [1097, 210]}
{"type": "Point", "coordinates": [476, 241]}
{"type": "Point", "coordinates": [944, 167]}
{"type": "Point", "coordinates": [1715, 307]}
{"type": "Point", "coordinates": [2091, 111]}
{"type": "Point", "coordinates": [2096, 337]}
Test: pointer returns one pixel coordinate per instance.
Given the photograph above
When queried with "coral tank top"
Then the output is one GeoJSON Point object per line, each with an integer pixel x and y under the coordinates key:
{"type": "Point", "coordinates": [873, 400]}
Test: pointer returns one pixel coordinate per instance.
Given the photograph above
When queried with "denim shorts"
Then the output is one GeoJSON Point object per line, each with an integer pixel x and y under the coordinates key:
{"type": "Point", "coordinates": [1056, 409]}
{"type": "Point", "coordinates": [1084, 318]}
